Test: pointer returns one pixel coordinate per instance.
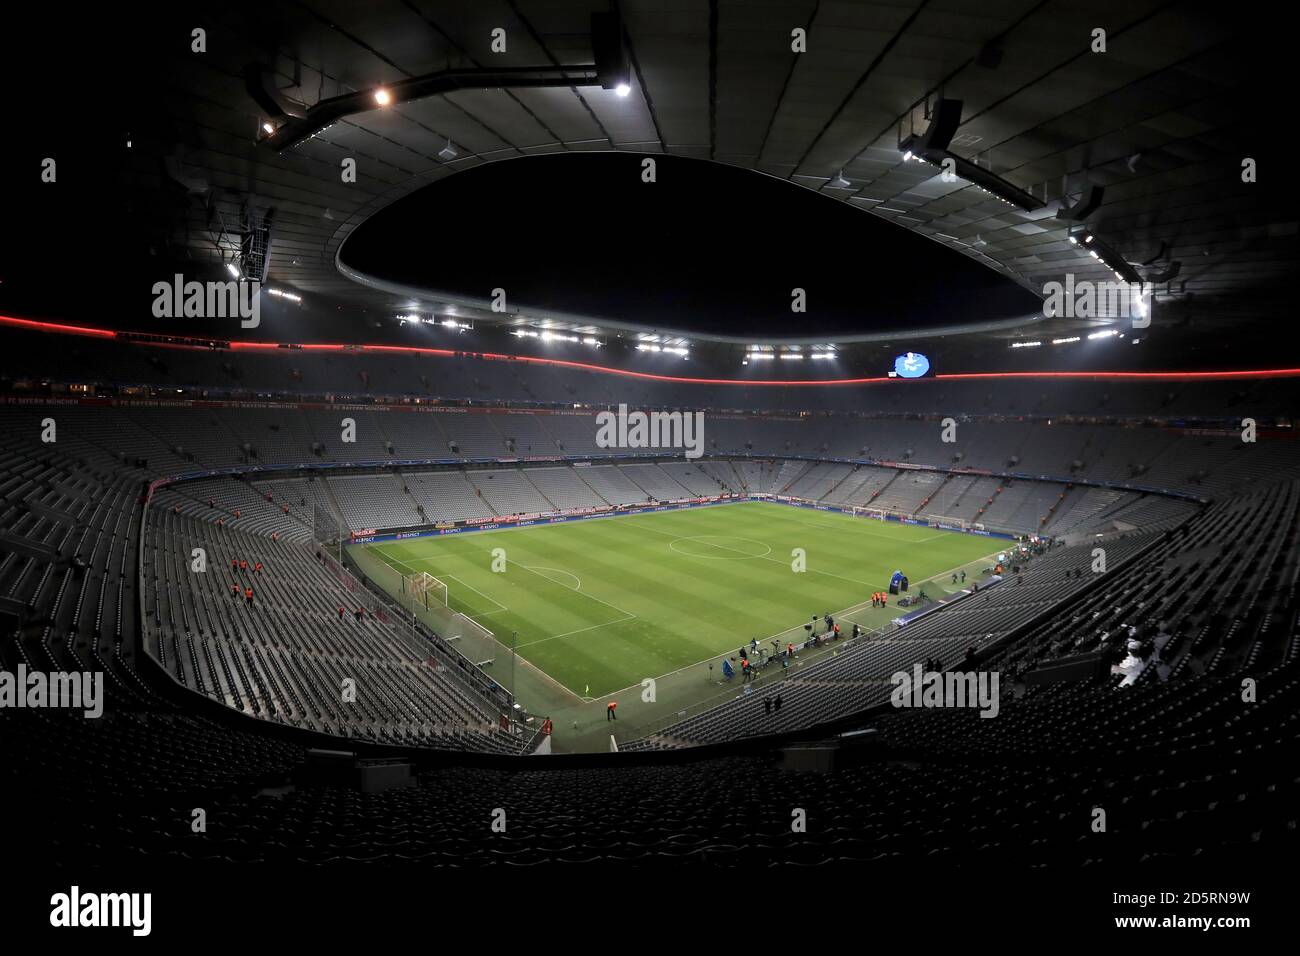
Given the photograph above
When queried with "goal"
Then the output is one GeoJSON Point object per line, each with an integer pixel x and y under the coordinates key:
{"type": "Point", "coordinates": [947, 521]}
{"type": "Point", "coordinates": [426, 598]}
{"type": "Point", "coordinates": [424, 590]}
{"type": "Point", "coordinates": [880, 514]}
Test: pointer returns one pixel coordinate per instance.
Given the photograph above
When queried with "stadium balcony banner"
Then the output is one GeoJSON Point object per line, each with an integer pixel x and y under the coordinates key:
{"type": "Point", "coordinates": [802, 503]}
{"type": "Point", "coordinates": [1210, 432]}
{"type": "Point", "coordinates": [913, 616]}
{"type": "Point", "coordinates": [580, 462]}
{"type": "Point", "coordinates": [373, 535]}
{"type": "Point", "coordinates": [908, 466]}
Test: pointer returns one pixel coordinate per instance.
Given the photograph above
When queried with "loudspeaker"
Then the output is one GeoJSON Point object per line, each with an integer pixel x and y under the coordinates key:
{"type": "Point", "coordinates": [1159, 254]}
{"type": "Point", "coordinates": [1156, 278]}
{"type": "Point", "coordinates": [1085, 207]}
{"type": "Point", "coordinates": [607, 49]}
{"type": "Point", "coordinates": [261, 87]}
{"type": "Point", "coordinates": [943, 124]}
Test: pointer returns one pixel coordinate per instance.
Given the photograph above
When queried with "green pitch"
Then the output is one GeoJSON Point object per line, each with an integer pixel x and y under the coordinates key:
{"type": "Point", "coordinates": [599, 605]}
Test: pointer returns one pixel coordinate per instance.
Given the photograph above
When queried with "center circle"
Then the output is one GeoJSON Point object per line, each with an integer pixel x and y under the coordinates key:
{"type": "Point", "coordinates": [720, 547]}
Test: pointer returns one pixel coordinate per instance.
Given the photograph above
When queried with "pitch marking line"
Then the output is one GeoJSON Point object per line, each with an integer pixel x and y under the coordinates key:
{"type": "Point", "coordinates": [762, 557]}
{"type": "Point", "coordinates": [845, 614]}
{"type": "Point", "coordinates": [626, 615]}
{"type": "Point", "coordinates": [837, 527]}
{"type": "Point", "coordinates": [592, 627]}
{"type": "Point", "coordinates": [434, 563]}
{"type": "Point", "coordinates": [539, 568]}
{"type": "Point", "coordinates": [387, 559]}
{"type": "Point", "coordinates": [500, 607]}
{"type": "Point", "coordinates": [672, 546]}
{"type": "Point", "coordinates": [586, 594]}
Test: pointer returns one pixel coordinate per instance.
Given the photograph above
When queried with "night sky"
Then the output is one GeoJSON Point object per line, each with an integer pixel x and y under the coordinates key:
{"type": "Point", "coordinates": [707, 248]}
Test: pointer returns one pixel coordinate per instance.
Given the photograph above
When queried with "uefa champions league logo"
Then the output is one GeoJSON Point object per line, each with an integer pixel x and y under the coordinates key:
{"type": "Point", "coordinates": [910, 365]}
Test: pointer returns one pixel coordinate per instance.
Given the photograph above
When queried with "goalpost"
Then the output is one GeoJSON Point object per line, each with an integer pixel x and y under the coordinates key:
{"type": "Point", "coordinates": [424, 590]}
{"type": "Point", "coordinates": [427, 598]}
{"type": "Point", "coordinates": [946, 521]}
{"type": "Point", "coordinates": [880, 514]}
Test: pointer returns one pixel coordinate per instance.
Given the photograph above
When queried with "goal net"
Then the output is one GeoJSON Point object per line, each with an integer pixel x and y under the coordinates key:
{"type": "Point", "coordinates": [426, 596]}
{"type": "Point", "coordinates": [878, 513]}
{"type": "Point", "coordinates": [422, 589]}
{"type": "Point", "coordinates": [947, 521]}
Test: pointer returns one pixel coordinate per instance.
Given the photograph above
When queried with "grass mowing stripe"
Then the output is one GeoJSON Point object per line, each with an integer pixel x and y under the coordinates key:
{"type": "Point", "coordinates": [444, 576]}
{"type": "Point", "coordinates": [606, 603]}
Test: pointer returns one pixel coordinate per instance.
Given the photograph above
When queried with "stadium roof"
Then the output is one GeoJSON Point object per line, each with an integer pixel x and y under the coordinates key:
{"type": "Point", "coordinates": [1162, 120]}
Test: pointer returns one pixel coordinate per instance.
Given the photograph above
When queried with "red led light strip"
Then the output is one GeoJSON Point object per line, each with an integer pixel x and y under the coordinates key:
{"type": "Point", "coordinates": [55, 327]}
{"type": "Point", "coordinates": [1226, 374]}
